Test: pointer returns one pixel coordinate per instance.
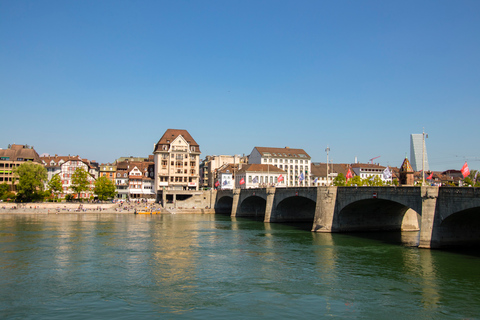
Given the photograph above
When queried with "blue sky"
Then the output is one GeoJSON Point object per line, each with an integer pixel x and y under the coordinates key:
{"type": "Point", "coordinates": [104, 79]}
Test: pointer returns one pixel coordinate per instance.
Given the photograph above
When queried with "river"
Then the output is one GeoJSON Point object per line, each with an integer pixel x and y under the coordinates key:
{"type": "Point", "coordinates": [125, 266]}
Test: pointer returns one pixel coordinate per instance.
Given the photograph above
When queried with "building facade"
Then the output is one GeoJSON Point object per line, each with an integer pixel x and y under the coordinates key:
{"type": "Point", "coordinates": [210, 166]}
{"type": "Point", "coordinates": [370, 170]}
{"type": "Point", "coordinates": [259, 176]}
{"type": "Point", "coordinates": [177, 160]}
{"type": "Point", "coordinates": [65, 167]}
{"type": "Point", "coordinates": [108, 170]}
{"type": "Point", "coordinates": [11, 158]}
{"type": "Point", "coordinates": [319, 173]}
{"type": "Point", "coordinates": [295, 162]}
{"type": "Point", "coordinates": [417, 149]}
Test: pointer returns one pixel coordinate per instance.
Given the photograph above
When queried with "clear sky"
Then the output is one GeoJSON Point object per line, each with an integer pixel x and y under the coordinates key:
{"type": "Point", "coordinates": [105, 79]}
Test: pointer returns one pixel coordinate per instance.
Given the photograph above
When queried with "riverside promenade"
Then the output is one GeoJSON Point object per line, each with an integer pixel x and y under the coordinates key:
{"type": "Point", "coordinates": [75, 207]}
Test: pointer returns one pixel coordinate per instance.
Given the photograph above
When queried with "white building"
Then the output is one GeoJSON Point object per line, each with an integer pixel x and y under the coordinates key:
{"type": "Point", "coordinates": [369, 170]}
{"type": "Point", "coordinates": [259, 176]}
{"type": "Point", "coordinates": [295, 163]}
{"type": "Point", "coordinates": [65, 167]}
{"type": "Point", "coordinates": [225, 180]}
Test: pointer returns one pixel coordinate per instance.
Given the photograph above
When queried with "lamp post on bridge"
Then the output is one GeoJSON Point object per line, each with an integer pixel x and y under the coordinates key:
{"type": "Point", "coordinates": [327, 150]}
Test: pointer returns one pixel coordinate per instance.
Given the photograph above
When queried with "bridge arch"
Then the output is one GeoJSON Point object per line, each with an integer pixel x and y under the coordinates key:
{"type": "Point", "coordinates": [294, 209]}
{"type": "Point", "coordinates": [253, 206]}
{"type": "Point", "coordinates": [460, 228]}
{"type": "Point", "coordinates": [224, 204]}
{"type": "Point", "coordinates": [375, 215]}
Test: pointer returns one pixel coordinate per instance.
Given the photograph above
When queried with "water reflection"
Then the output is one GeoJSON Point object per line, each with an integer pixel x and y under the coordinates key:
{"type": "Point", "coordinates": [199, 266]}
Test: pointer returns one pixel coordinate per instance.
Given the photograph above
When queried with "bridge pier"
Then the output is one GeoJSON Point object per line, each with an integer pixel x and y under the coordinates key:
{"type": "Point", "coordinates": [236, 202]}
{"type": "Point", "coordinates": [429, 206]}
{"type": "Point", "coordinates": [325, 210]}
{"type": "Point", "coordinates": [269, 205]}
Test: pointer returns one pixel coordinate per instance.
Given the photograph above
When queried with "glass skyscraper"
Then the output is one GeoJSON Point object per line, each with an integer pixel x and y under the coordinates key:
{"type": "Point", "coordinates": [416, 143]}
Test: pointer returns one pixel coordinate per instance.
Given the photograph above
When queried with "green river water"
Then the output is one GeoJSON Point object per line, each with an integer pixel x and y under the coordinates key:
{"type": "Point", "coordinates": [121, 266]}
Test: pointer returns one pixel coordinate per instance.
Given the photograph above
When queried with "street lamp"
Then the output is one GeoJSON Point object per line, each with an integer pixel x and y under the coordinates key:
{"type": "Point", "coordinates": [425, 135]}
{"type": "Point", "coordinates": [327, 150]}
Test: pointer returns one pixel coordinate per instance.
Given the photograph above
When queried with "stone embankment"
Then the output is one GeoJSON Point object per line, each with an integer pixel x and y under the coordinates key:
{"type": "Point", "coordinates": [69, 207]}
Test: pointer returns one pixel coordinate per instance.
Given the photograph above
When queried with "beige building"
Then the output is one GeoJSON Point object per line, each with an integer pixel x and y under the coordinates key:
{"type": "Point", "coordinates": [11, 158]}
{"type": "Point", "coordinates": [177, 159]}
{"type": "Point", "coordinates": [211, 164]}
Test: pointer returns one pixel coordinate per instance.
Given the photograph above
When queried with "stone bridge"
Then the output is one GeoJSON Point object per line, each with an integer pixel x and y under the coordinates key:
{"type": "Point", "coordinates": [444, 216]}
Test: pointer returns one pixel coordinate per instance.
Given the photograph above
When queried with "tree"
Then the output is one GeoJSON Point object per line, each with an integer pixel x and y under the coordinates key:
{"type": "Point", "coordinates": [355, 181]}
{"type": "Point", "coordinates": [373, 181]}
{"type": "Point", "coordinates": [104, 188]}
{"type": "Point", "coordinates": [470, 180]}
{"type": "Point", "coordinates": [3, 190]}
{"type": "Point", "coordinates": [80, 181]}
{"type": "Point", "coordinates": [30, 181]}
{"type": "Point", "coordinates": [339, 180]}
{"type": "Point", "coordinates": [55, 185]}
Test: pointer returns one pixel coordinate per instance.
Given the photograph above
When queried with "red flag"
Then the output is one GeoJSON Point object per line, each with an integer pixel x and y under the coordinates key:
{"type": "Point", "coordinates": [349, 174]}
{"type": "Point", "coordinates": [280, 178]}
{"type": "Point", "coordinates": [465, 170]}
{"type": "Point", "coordinates": [217, 183]}
{"type": "Point", "coordinates": [242, 181]}
{"type": "Point", "coordinates": [430, 177]}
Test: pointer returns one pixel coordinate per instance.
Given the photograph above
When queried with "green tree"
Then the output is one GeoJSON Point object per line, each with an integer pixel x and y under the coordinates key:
{"type": "Point", "coordinates": [31, 177]}
{"type": "Point", "coordinates": [339, 180]}
{"type": "Point", "coordinates": [355, 181]}
{"type": "Point", "coordinates": [4, 187]}
{"type": "Point", "coordinates": [470, 179]}
{"type": "Point", "coordinates": [104, 188]}
{"type": "Point", "coordinates": [80, 181]}
{"type": "Point", "coordinates": [55, 185]}
{"type": "Point", "coordinates": [373, 181]}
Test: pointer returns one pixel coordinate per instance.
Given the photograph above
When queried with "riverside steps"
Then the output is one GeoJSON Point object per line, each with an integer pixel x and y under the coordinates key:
{"type": "Point", "coordinates": [444, 216]}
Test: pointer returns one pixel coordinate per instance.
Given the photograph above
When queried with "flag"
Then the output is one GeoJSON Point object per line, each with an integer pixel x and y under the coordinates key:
{"type": "Point", "coordinates": [465, 170]}
{"type": "Point", "coordinates": [280, 178]}
{"type": "Point", "coordinates": [349, 174]}
{"type": "Point", "coordinates": [225, 182]}
{"type": "Point", "coordinates": [430, 177]}
{"type": "Point", "coordinates": [217, 183]}
{"type": "Point", "coordinates": [242, 181]}
{"type": "Point", "coordinates": [387, 174]}
{"type": "Point", "coordinates": [255, 179]}
{"type": "Point", "coordinates": [300, 179]}
{"type": "Point", "coordinates": [316, 180]}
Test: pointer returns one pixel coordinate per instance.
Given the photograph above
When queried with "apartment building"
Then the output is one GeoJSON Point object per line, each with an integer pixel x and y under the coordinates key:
{"type": "Point", "coordinates": [11, 158]}
{"type": "Point", "coordinates": [177, 159]}
{"type": "Point", "coordinates": [141, 180]}
{"type": "Point", "coordinates": [259, 176]}
{"type": "Point", "coordinates": [65, 167]}
{"type": "Point", "coordinates": [210, 166]}
{"type": "Point", "coordinates": [295, 162]}
{"type": "Point", "coordinates": [108, 170]}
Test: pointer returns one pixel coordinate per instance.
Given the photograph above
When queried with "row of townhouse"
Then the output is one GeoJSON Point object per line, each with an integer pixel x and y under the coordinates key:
{"type": "Point", "coordinates": [175, 165]}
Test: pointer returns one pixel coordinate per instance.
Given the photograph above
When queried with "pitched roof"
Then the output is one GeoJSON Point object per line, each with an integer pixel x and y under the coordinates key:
{"type": "Point", "coordinates": [172, 134]}
{"type": "Point", "coordinates": [319, 169]}
{"type": "Point", "coordinates": [260, 168]}
{"type": "Point", "coordinates": [283, 152]}
{"type": "Point", "coordinates": [48, 159]}
{"type": "Point", "coordinates": [16, 151]}
{"type": "Point", "coordinates": [367, 166]}
{"type": "Point", "coordinates": [406, 166]}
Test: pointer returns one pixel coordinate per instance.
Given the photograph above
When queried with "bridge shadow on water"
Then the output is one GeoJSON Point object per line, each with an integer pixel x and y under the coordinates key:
{"type": "Point", "coordinates": [403, 238]}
